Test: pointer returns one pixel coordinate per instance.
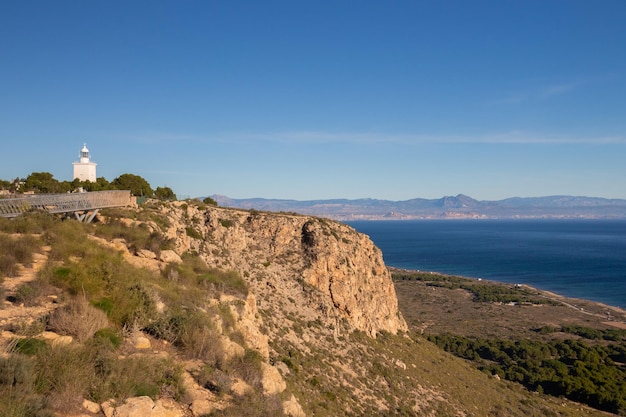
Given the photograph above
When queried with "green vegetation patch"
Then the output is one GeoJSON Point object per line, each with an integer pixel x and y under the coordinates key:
{"type": "Point", "coordinates": [569, 368]}
{"type": "Point", "coordinates": [483, 292]}
{"type": "Point", "coordinates": [17, 250]}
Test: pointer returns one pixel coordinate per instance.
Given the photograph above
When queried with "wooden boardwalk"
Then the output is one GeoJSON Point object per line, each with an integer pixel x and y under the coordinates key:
{"type": "Point", "coordinates": [84, 206]}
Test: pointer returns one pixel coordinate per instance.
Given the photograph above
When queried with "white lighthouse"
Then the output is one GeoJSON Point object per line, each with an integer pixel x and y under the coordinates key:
{"type": "Point", "coordinates": [84, 169]}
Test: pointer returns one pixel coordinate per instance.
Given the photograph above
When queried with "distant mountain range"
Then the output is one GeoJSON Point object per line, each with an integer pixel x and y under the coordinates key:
{"type": "Point", "coordinates": [449, 207]}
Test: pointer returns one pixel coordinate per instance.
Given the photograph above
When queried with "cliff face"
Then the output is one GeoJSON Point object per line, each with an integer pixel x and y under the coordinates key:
{"type": "Point", "coordinates": [318, 268]}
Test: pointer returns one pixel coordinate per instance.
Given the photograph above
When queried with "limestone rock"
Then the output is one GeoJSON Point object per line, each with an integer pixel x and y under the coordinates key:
{"type": "Point", "coordinates": [170, 256]}
{"type": "Point", "coordinates": [201, 401]}
{"type": "Point", "coordinates": [91, 406]}
{"type": "Point", "coordinates": [141, 407]}
{"type": "Point", "coordinates": [240, 388]}
{"type": "Point", "coordinates": [141, 342]}
{"type": "Point", "coordinates": [272, 381]}
{"type": "Point", "coordinates": [231, 349]}
{"type": "Point", "coordinates": [292, 408]}
{"type": "Point", "coordinates": [56, 339]}
{"type": "Point", "coordinates": [145, 253]}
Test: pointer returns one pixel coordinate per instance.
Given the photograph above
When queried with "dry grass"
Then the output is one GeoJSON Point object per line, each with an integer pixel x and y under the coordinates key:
{"type": "Point", "coordinates": [79, 319]}
{"type": "Point", "coordinates": [440, 310]}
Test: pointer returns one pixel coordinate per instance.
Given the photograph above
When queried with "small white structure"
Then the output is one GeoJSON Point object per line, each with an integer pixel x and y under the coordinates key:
{"type": "Point", "coordinates": [84, 169]}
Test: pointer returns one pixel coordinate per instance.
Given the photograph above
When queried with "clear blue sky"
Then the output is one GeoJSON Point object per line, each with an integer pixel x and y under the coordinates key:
{"type": "Point", "coordinates": [320, 99]}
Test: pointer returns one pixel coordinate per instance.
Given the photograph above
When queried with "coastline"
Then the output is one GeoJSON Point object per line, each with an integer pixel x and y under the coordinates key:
{"type": "Point", "coordinates": [607, 315]}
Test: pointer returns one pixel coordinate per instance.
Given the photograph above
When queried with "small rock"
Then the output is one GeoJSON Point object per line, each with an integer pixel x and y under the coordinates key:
{"type": "Point", "coordinates": [145, 253]}
{"type": "Point", "coordinates": [241, 388]}
{"type": "Point", "coordinates": [170, 256]}
{"type": "Point", "coordinates": [141, 342]}
{"type": "Point", "coordinates": [400, 364]}
{"type": "Point", "coordinates": [62, 341]}
{"type": "Point", "coordinates": [56, 339]}
{"type": "Point", "coordinates": [91, 406]}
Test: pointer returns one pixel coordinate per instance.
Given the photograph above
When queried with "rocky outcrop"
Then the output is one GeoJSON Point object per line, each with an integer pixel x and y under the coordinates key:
{"type": "Point", "coordinates": [287, 255]}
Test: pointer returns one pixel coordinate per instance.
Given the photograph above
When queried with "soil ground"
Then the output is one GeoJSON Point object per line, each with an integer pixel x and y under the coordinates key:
{"type": "Point", "coordinates": [438, 310]}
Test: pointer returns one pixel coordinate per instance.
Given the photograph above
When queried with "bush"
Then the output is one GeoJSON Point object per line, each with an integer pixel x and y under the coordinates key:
{"type": "Point", "coordinates": [27, 345]}
{"type": "Point", "coordinates": [17, 388]}
{"type": "Point", "coordinates": [215, 380]}
{"type": "Point", "coordinates": [64, 376]}
{"type": "Point", "coordinates": [247, 367]}
{"type": "Point", "coordinates": [136, 238]}
{"type": "Point", "coordinates": [193, 233]}
{"type": "Point", "coordinates": [34, 222]}
{"type": "Point", "coordinates": [226, 223]}
{"type": "Point", "coordinates": [8, 265]}
{"type": "Point", "coordinates": [223, 281]}
{"type": "Point", "coordinates": [25, 294]}
{"type": "Point", "coordinates": [110, 336]}
{"type": "Point", "coordinates": [79, 319]}
{"type": "Point", "coordinates": [16, 250]}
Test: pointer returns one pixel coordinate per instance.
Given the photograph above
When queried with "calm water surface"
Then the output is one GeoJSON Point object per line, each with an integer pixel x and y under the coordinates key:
{"type": "Point", "coordinates": [575, 258]}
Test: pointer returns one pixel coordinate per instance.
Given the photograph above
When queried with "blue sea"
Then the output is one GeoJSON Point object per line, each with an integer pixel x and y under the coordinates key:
{"type": "Point", "coordinates": [575, 258]}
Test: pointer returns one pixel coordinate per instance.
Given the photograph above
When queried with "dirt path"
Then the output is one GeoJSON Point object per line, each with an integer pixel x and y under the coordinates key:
{"type": "Point", "coordinates": [11, 313]}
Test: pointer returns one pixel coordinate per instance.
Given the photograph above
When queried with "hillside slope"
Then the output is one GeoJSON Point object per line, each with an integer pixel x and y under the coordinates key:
{"type": "Point", "coordinates": [197, 310]}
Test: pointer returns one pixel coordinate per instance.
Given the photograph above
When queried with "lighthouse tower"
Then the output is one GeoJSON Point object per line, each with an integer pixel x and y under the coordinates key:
{"type": "Point", "coordinates": [84, 169]}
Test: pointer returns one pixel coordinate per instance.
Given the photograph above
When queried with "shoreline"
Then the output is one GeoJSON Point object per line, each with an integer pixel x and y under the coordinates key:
{"type": "Point", "coordinates": [613, 316]}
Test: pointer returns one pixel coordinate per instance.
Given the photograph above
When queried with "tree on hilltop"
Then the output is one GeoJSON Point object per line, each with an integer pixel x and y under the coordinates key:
{"type": "Point", "coordinates": [101, 184]}
{"type": "Point", "coordinates": [164, 193]}
{"type": "Point", "coordinates": [44, 182]}
{"type": "Point", "coordinates": [137, 185]}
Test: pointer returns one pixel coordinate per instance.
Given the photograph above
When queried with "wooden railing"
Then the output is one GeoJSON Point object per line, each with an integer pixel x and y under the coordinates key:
{"type": "Point", "coordinates": [79, 204]}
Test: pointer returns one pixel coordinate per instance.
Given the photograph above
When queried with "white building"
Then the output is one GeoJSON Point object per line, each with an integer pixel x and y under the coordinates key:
{"type": "Point", "coordinates": [84, 169]}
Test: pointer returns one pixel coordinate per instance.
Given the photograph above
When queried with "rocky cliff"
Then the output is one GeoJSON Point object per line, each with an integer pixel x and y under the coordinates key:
{"type": "Point", "coordinates": [327, 268]}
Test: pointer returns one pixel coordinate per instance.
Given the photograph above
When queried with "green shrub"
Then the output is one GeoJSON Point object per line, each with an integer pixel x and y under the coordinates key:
{"type": "Point", "coordinates": [34, 222]}
{"type": "Point", "coordinates": [64, 376]}
{"type": "Point", "coordinates": [226, 222]}
{"type": "Point", "coordinates": [105, 304]}
{"type": "Point", "coordinates": [135, 376]}
{"type": "Point", "coordinates": [8, 265]}
{"type": "Point", "coordinates": [247, 367]}
{"type": "Point", "coordinates": [194, 334]}
{"type": "Point", "coordinates": [137, 238]}
{"type": "Point", "coordinates": [25, 294]}
{"type": "Point", "coordinates": [223, 281]}
{"type": "Point", "coordinates": [193, 233]}
{"type": "Point", "coordinates": [134, 304]}
{"type": "Point", "coordinates": [199, 339]}
{"type": "Point", "coordinates": [213, 379]}
{"type": "Point", "coordinates": [16, 250]}
{"type": "Point", "coordinates": [27, 345]}
{"type": "Point", "coordinates": [18, 397]}
{"type": "Point", "coordinates": [110, 335]}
